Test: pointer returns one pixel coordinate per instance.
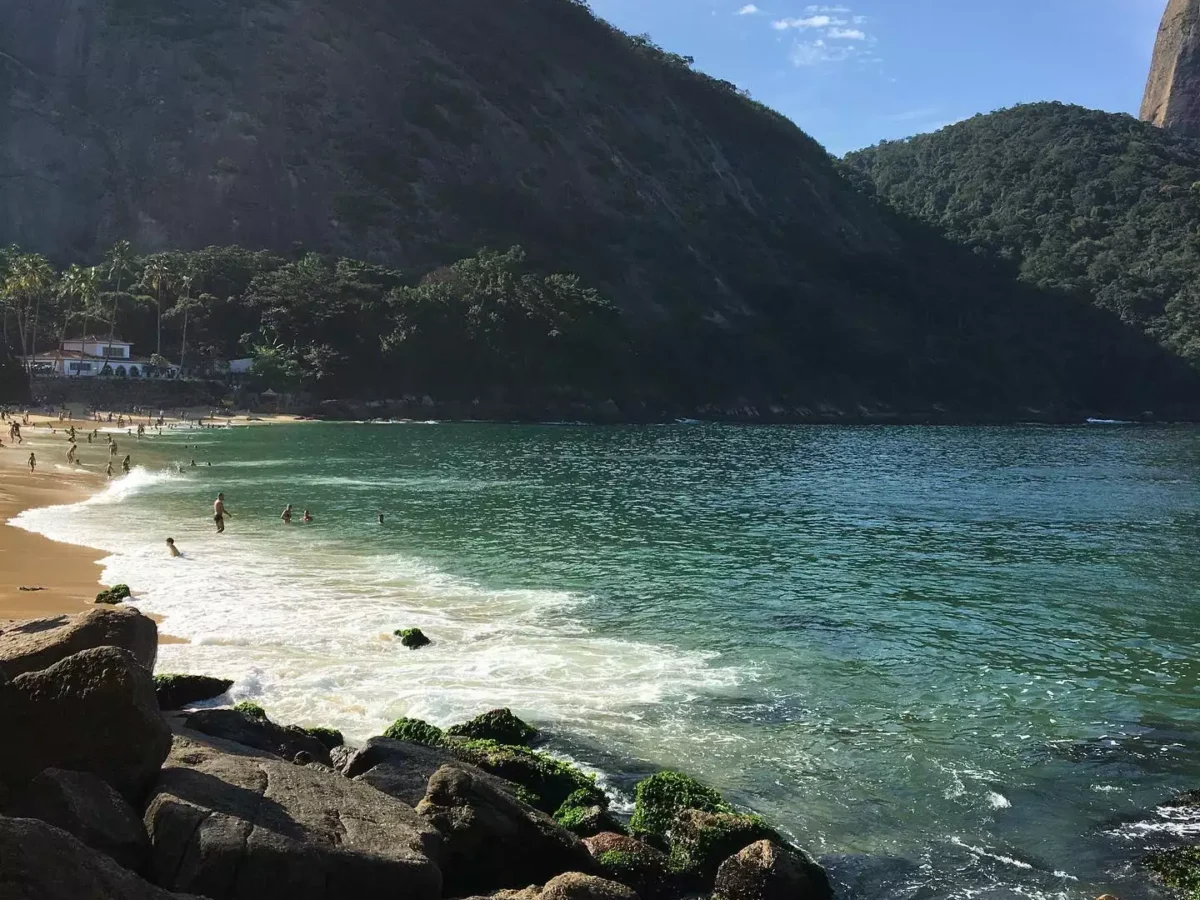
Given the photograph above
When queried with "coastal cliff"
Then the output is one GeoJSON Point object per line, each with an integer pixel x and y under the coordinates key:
{"type": "Point", "coordinates": [1172, 99]}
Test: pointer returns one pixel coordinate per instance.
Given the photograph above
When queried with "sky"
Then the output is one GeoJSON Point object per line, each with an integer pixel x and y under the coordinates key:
{"type": "Point", "coordinates": [857, 72]}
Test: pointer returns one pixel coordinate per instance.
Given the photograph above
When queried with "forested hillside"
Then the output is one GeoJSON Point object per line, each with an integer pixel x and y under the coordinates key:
{"type": "Point", "coordinates": [736, 267]}
{"type": "Point", "coordinates": [1093, 203]}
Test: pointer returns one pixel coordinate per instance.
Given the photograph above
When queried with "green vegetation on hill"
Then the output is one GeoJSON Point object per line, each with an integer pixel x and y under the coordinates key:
{"type": "Point", "coordinates": [1096, 204]}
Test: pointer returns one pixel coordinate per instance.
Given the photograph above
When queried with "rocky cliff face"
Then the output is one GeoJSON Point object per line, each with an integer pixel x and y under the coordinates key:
{"type": "Point", "coordinates": [1173, 90]}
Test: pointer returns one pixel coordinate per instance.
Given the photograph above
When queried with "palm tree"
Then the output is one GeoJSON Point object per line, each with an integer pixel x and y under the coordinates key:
{"type": "Point", "coordinates": [70, 286]}
{"type": "Point", "coordinates": [89, 295]}
{"type": "Point", "coordinates": [119, 262]}
{"type": "Point", "coordinates": [160, 278]}
{"type": "Point", "coordinates": [29, 278]}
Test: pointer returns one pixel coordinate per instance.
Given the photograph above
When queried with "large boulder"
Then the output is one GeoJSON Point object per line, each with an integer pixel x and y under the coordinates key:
{"type": "Point", "coordinates": [41, 862]}
{"type": "Point", "coordinates": [177, 691]}
{"type": "Point", "coordinates": [284, 741]}
{"type": "Point", "coordinates": [578, 886]}
{"type": "Point", "coordinates": [92, 712]}
{"type": "Point", "coordinates": [498, 725]}
{"type": "Point", "coordinates": [494, 841]}
{"type": "Point", "coordinates": [40, 643]}
{"type": "Point", "coordinates": [236, 824]}
{"type": "Point", "coordinates": [660, 798]}
{"type": "Point", "coordinates": [631, 862]}
{"type": "Point", "coordinates": [85, 806]}
{"type": "Point", "coordinates": [701, 841]}
{"type": "Point", "coordinates": [767, 871]}
{"type": "Point", "coordinates": [403, 769]}
{"type": "Point", "coordinates": [581, 814]}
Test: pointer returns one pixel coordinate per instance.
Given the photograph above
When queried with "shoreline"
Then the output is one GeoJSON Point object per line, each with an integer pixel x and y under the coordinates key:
{"type": "Point", "coordinates": [60, 578]}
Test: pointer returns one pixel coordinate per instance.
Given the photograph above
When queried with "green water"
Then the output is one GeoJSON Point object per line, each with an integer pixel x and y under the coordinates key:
{"type": "Point", "coordinates": [962, 662]}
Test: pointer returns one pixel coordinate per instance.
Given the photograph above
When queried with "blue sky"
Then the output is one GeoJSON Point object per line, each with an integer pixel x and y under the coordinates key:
{"type": "Point", "coordinates": [857, 72]}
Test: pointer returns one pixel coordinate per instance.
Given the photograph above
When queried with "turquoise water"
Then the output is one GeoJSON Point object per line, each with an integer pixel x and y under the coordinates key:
{"type": "Point", "coordinates": [957, 662]}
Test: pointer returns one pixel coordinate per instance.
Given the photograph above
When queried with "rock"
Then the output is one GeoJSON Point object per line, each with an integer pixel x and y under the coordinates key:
{"type": "Point", "coordinates": [1178, 868]}
{"type": "Point", "coordinates": [114, 595]}
{"type": "Point", "coordinates": [246, 827]}
{"type": "Point", "coordinates": [330, 737]}
{"type": "Point", "coordinates": [663, 796]}
{"type": "Point", "coordinates": [415, 731]}
{"type": "Point", "coordinates": [581, 814]}
{"type": "Point", "coordinates": [578, 886]}
{"type": "Point", "coordinates": [402, 769]}
{"type": "Point", "coordinates": [41, 862]}
{"type": "Point", "coordinates": [767, 871]}
{"type": "Point", "coordinates": [284, 741]}
{"type": "Point", "coordinates": [341, 757]}
{"type": "Point", "coordinates": [251, 709]}
{"type": "Point", "coordinates": [92, 712]}
{"type": "Point", "coordinates": [1172, 98]}
{"type": "Point", "coordinates": [413, 638]}
{"type": "Point", "coordinates": [177, 691]}
{"type": "Point", "coordinates": [631, 862]}
{"type": "Point", "coordinates": [547, 782]}
{"type": "Point", "coordinates": [499, 725]}
{"type": "Point", "coordinates": [701, 841]}
{"type": "Point", "coordinates": [40, 643]}
{"type": "Point", "coordinates": [83, 805]}
{"type": "Point", "coordinates": [492, 840]}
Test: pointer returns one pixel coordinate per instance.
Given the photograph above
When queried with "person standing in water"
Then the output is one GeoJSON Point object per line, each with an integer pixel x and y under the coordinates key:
{"type": "Point", "coordinates": [108, 470]}
{"type": "Point", "coordinates": [307, 517]}
{"type": "Point", "coordinates": [125, 464]}
{"type": "Point", "coordinates": [171, 548]}
{"type": "Point", "coordinates": [32, 463]}
{"type": "Point", "coordinates": [379, 516]}
{"type": "Point", "coordinates": [287, 514]}
{"type": "Point", "coordinates": [220, 512]}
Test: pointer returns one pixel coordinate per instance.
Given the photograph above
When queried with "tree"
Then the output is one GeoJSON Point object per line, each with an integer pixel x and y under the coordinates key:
{"type": "Point", "coordinates": [159, 277]}
{"type": "Point", "coordinates": [118, 265]}
{"type": "Point", "coordinates": [28, 280]}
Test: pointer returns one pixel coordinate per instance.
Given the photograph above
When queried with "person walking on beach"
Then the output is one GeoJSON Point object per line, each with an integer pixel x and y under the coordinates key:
{"type": "Point", "coordinates": [287, 514]}
{"type": "Point", "coordinates": [32, 463]}
{"type": "Point", "coordinates": [220, 512]}
{"type": "Point", "coordinates": [172, 549]}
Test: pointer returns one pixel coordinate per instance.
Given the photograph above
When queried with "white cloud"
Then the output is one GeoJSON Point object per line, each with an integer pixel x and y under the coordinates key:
{"type": "Point", "coordinates": [834, 34]}
{"type": "Point", "coordinates": [749, 10]}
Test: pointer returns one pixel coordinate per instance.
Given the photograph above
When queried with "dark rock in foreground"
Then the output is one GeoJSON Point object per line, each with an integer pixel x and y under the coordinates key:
{"type": "Point", "coordinates": [93, 712]}
{"type": "Point", "coordinates": [40, 862]}
{"type": "Point", "coordinates": [767, 871]}
{"type": "Point", "coordinates": [177, 691]}
{"type": "Point", "coordinates": [284, 741]}
{"type": "Point", "coordinates": [40, 643]}
{"type": "Point", "coordinates": [701, 841]}
{"type": "Point", "coordinates": [403, 769]}
{"type": "Point", "coordinates": [238, 826]}
{"type": "Point", "coordinates": [494, 841]}
{"type": "Point", "coordinates": [581, 814]}
{"type": "Point", "coordinates": [412, 638]}
{"type": "Point", "coordinates": [86, 807]}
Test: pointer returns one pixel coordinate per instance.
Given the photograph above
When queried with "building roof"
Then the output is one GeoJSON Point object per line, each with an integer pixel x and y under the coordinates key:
{"type": "Point", "coordinates": [92, 339]}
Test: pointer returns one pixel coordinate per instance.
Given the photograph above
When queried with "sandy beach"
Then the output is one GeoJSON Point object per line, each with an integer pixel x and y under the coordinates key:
{"type": "Point", "coordinates": [40, 577]}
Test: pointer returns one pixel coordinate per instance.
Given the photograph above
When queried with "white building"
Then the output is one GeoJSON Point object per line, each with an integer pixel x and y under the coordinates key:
{"type": "Point", "coordinates": [88, 357]}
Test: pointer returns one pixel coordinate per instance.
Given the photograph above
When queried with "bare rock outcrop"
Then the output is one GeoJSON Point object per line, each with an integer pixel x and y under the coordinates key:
{"type": "Point", "coordinates": [40, 643]}
{"type": "Point", "coordinates": [1172, 99]}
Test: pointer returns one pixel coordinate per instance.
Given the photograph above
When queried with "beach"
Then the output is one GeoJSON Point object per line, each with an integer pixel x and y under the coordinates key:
{"type": "Point", "coordinates": [41, 577]}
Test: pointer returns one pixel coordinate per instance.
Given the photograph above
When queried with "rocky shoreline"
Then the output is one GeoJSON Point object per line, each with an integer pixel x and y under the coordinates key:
{"type": "Point", "coordinates": [118, 790]}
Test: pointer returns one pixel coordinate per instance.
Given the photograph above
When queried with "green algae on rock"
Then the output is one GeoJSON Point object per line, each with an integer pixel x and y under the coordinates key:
{"type": "Point", "coordinates": [330, 737]}
{"type": "Point", "coordinates": [413, 638]}
{"type": "Point", "coordinates": [583, 815]}
{"type": "Point", "coordinates": [1178, 869]}
{"type": "Point", "coordinates": [114, 595]}
{"type": "Point", "coordinates": [415, 731]}
{"type": "Point", "coordinates": [498, 725]}
{"type": "Point", "coordinates": [251, 709]}
{"type": "Point", "coordinates": [663, 796]}
{"type": "Point", "coordinates": [701, 841]}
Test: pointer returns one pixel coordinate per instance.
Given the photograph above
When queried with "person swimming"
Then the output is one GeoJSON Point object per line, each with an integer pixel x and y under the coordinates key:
{"type": "Point", "coordinates": [220, 512]}
{"type": "Point", "coordinates": [171, 548]}
{"type": "Point", "coordinates": [287, 514]}
{"type": "Point", "coordinates": [307, 516]}
{"type": "Point", "coordinates": [379, 516]}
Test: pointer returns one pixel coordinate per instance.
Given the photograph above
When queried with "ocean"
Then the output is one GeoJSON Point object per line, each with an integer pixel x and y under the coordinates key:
{"type": "Point", "coordinates": [952, 662]}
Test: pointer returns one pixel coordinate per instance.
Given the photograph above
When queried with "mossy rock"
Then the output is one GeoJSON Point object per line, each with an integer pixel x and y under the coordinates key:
{"type": "Point", "coordinates": [415, 731]}
{"type": "Point", "coordinates": [251, 709]}
{"type": "Point", "coordinates": [550, 779]}
{"type": "Point", "coordinates": [499, 725]}
{"type": "Point", "coordinates": [663, 796]}
{"type": "Point", "coordinates": [114, 595]}
{"type": "Point", "coordinates": [413, 638]}
{"type": "Point", "coordinates": [630, 862]}
{"type": "Point", "coordinates": [581, 814]}
{"type": "Point", "coordinates": [1178, 869]}
{"type": "Point", "coordinates": [330, 737]}
{"type": "Point", "coordinates": [701, 841]}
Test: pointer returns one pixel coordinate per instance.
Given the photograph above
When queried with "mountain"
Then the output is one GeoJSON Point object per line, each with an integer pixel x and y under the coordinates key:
{"type": "Point", "coordinates": [1096, 204]}
{"type": "Point", "coordinates": [746, 269]}
{"type": "Point", "coordinates": [1172, 98]}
